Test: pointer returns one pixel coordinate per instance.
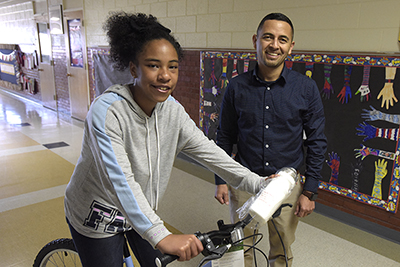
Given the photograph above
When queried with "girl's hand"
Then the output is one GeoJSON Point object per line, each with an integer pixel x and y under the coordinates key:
{"type": "Point", "coordinates": [184, 246]}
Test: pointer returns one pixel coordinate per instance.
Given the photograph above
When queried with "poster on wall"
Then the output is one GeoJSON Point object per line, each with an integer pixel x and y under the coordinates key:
{"type": "Point", "coordinates": [75, 42]}
{"type": "Point", "coordinates": [8, 64]}
{"type": "Point", "coordinates": [360, 96]}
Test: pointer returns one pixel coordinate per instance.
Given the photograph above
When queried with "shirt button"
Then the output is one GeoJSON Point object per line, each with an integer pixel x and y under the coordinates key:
{"type": "Point", "coordinates": [268, 88]}
{"type": "Point", "coordinates": [267, 107]}
{"type": "Point", "coordinates": [266, 126]}
{"type": "Point", "coordinates": [267, 146]}
{"type": "Point", "coordinates": [266, 163]}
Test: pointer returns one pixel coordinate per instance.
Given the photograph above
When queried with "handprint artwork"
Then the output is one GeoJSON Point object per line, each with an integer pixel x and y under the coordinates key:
{"type": "Point", "coordinates": [379, 94]}
{"type": "Point", "coordinates": [327, 90]}
{"type": "Point", "coordinates": [334, 163]}
{"type": "Point", "coordinates": [366, 151]}
{"type": "Point", "coordinates": [387, 93]}
{"type": "Point", "coordinates": [364, 88]}
{"type": "Point", "coordinates": [369, 131]}
{"type": "Point", "coordinates": [380, 173]}
{"type": "Point", "coordinates": [345, 93]}
{"type": "Point", "coordinates": [374, 115]}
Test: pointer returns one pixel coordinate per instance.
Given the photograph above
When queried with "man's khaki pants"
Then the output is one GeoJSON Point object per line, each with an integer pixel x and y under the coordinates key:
{"type": "Point", "coordinates": [286, 224]}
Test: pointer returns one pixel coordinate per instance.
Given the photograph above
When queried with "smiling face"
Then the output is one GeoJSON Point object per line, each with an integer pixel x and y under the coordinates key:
{"type": "Point", "coordinates": [273, 42]}
{"type": "Point", "coordinates": [156, 74]}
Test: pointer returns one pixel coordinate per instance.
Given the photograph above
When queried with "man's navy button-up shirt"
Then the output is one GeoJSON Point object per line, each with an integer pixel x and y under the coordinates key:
{"type": "Point", "coordinates": [272, 123]}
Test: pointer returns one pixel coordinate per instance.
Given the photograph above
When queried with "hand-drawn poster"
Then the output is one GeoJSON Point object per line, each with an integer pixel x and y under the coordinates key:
{"type": "Point", "coordinates": [75, 42]}
{"type": "Point", "coordinates": [8, 66]}
{"type": "Point", "coordinates": [361, 96]}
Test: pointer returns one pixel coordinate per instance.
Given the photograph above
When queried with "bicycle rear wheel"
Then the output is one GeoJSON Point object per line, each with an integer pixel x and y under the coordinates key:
{"type": "Point", "coordinates": [59, 252]}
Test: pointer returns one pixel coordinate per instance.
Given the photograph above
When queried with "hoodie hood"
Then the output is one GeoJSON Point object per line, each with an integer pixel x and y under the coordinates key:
{"type": "Point", "coordinates": [125, 92]}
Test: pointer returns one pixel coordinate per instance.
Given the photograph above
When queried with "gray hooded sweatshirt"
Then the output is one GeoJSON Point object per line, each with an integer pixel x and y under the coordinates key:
{"type": "Point", "coordinates": [126, 162]}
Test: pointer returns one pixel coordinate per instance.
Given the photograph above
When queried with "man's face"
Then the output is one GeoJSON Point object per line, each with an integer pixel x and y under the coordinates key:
{"type": "Point", "coordinates": [273, 42]}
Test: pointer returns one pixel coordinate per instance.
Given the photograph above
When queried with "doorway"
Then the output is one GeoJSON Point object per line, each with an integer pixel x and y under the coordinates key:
{"type": "Point", "coordinates": [76, 63]}
{"type": "Point", "coordinates": [46, 67]}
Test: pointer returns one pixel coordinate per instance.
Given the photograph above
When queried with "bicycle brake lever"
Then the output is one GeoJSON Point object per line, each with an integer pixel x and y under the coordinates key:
{"type": "Point", "coordinates": [218, 252]}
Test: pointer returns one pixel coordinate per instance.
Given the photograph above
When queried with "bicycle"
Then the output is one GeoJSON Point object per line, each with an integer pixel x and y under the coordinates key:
{"type": "Point", "coordinates": [62, 252]}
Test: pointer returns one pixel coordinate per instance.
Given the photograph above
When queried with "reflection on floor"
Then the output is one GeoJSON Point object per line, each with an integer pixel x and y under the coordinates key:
{"type": "Point", "coordinates": [38, 151]}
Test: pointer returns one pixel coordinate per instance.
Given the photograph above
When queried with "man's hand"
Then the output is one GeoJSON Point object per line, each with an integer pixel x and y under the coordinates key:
{"type": "Point", "coordinates": [221, 194]}
{"type": "Point", "coordinates": [184, 246]}
{"type": "Point", "coordinates": [304, 206]}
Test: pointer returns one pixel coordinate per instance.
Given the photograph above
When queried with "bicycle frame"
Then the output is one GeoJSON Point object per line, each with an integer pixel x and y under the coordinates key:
{"type": "Point", "coordinates": [127, 256]}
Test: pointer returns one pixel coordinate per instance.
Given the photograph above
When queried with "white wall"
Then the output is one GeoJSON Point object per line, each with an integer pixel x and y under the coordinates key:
{"type": "Point", "coordinates": [320, 25]}
{"type": "Point", "coordinates": [329, 25]}
{"type": "Point", "coordinates": [18, 22]}
{"type": "Point", "coordinates": [17, 26]}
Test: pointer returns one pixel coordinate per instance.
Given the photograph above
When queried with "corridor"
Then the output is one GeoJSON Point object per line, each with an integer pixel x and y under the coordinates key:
{"type": "Point", "coordinates": [38, 151]}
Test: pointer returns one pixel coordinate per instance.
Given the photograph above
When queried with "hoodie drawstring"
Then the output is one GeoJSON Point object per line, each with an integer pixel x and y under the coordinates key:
{"type": "Point", "coordinates": [155, 207]}
{"type": "Point", "coordinates": [158, 158]}
{"type": "Point", "coordinates": [149, 161]}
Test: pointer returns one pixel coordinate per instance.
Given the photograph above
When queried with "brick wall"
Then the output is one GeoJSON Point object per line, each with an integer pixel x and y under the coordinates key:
{"type": "Point", "coordinates": [187, 91]}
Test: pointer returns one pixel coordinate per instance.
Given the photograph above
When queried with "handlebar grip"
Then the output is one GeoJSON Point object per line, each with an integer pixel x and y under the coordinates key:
{"type": "Point", "coordinates": [165, 259]}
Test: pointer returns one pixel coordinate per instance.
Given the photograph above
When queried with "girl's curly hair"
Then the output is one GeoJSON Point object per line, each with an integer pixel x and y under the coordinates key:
{"type": "Point", "coordinates": [128, 33]}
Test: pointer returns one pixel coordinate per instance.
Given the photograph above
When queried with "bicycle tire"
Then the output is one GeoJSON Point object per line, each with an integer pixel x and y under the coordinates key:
{"type": "Point", "coordinates": [59, 252]}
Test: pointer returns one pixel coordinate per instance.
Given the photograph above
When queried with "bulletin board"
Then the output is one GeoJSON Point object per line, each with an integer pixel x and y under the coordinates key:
{"type": "Point", "coordinates": [102, 72]}
{"type": "Point", "coordinates": [360, 94]}
{"type": "Point", "coordinates": [8, 66]}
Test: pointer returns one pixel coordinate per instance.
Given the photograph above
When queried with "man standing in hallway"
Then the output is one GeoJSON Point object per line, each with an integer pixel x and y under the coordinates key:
{"type": "Point", "coordinates": [266, 112]}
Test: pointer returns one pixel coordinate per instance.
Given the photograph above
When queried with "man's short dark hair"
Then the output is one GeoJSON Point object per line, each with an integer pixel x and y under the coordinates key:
{"type": "Point", "coordinates": [276, 16]}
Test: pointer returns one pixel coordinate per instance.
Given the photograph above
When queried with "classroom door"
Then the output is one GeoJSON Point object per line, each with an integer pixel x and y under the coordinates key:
{"type": "Point", "coordinates": [76, 64]}
{"type": "Point", "coordinates": [46, 68]}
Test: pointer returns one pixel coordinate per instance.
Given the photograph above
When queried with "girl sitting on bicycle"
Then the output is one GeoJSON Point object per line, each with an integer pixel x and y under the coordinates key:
{"type": "Point", "coordinates": [132, 134]}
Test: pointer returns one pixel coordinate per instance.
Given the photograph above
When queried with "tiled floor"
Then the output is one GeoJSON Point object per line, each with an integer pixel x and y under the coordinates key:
{"type": "Point", "coordinates": [38, 150]}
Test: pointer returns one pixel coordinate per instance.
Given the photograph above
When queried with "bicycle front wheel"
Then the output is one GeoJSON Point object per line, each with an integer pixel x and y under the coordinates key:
{"type": "Point", "coordinates": [59, 252]}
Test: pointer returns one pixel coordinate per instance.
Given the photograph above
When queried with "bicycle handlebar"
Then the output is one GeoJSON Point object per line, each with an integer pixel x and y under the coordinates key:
{"type": "Point", "coordinates": [210, 242]}
{"type": "Point", "coordinates": [216, 243]}
{"type": "Point", "coordinates": [165, 259]}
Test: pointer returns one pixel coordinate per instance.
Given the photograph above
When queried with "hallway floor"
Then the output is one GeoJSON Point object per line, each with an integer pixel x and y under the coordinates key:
{"type": "Point", "coordinates": [38, 151]}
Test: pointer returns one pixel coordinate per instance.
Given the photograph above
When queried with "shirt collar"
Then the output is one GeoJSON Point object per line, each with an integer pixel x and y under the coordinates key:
{"type": "Point", "coordinates": [282, 78]}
